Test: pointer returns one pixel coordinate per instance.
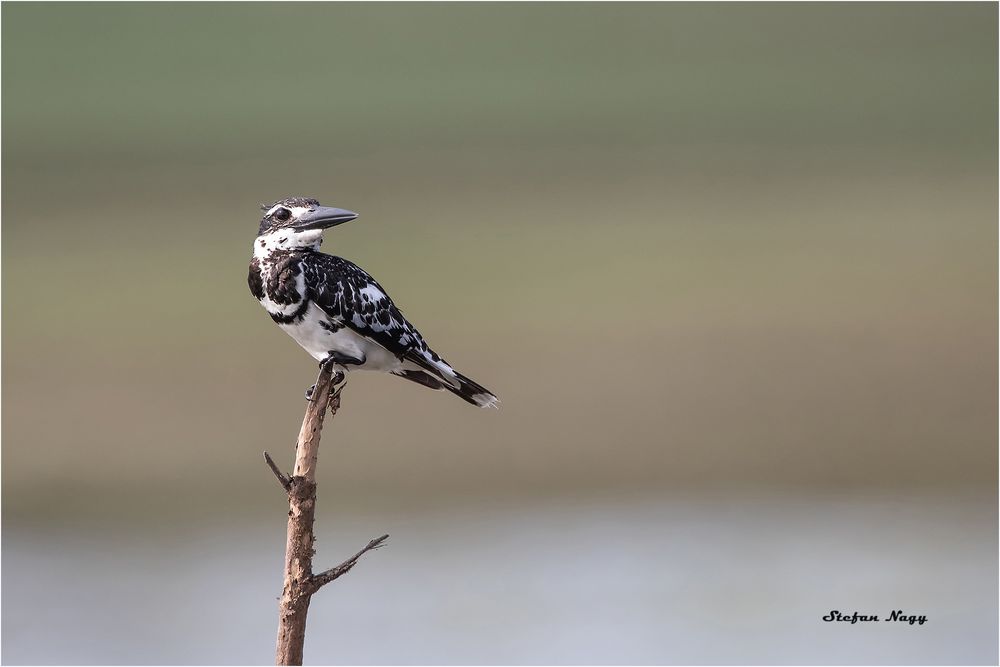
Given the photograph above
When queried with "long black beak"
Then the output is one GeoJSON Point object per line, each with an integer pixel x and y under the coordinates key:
{"type": "Point", "coordinates": [323, 216]}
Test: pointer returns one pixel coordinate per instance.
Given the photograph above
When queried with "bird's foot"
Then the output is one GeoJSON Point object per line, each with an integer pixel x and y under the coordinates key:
{"type": "Point", "coordinates": [340, 359]}
{"type": "Point", "coordinates": [338, 382]}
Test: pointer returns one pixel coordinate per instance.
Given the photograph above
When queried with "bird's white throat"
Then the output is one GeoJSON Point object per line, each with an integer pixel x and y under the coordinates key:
{"type": "Point", "coordinates": [287, 239]}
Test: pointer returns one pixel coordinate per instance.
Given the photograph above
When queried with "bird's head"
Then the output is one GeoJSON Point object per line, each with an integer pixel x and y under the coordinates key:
{"type": "Point", "coordinates": [297, 222]}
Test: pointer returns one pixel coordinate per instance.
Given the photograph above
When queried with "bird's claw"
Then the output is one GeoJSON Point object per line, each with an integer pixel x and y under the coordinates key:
{"type": "Point", "coordinates": [338, 382]}
{"type": "Point", "coordinates": [336, 386]}
{"type": "Point", "coordinates": [339, 359]}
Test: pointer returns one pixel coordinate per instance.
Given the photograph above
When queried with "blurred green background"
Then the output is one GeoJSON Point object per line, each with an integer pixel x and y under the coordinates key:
{"type": "Point", "coordinates": [708, 255]}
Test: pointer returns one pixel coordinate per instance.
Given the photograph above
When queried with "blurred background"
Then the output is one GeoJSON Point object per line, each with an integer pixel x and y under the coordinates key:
{"type": "Point", "coordinates": [732, 270]}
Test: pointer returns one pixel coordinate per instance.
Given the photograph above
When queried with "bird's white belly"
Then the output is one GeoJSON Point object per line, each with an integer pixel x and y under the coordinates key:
{"type": "Point", "coordinates": [319, 342]}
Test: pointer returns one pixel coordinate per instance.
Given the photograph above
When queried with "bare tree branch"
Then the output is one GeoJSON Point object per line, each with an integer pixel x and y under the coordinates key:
{"type": "Point", "coordinates": [300, 584]}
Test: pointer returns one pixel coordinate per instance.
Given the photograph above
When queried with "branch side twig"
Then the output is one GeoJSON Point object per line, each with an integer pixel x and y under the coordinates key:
{"type": "Point", "coordinates": [283, 479]}
{"type": "Point", "coordinates": [325, 577]}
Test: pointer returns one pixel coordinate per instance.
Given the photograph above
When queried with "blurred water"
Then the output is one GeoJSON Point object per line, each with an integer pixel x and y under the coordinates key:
{"type": "Point", "coordinates": [682, 580]}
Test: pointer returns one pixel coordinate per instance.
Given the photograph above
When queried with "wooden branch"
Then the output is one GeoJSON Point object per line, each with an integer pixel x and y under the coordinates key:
{"type": "Point", "coordinates": [300, 584]}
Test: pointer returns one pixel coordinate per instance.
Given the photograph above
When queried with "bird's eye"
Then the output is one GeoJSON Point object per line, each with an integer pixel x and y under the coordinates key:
{"type": "Point", "coordinates": [282, 214]}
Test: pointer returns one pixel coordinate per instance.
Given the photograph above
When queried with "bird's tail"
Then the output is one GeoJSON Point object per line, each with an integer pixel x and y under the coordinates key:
{"type": "Point", "coordinates": [473, 392]}
{"type": "Point", "coordinates": [448, 378]}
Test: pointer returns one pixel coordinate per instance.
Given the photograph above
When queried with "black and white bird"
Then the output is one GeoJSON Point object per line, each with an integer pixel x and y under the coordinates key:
{"type": "Point", "coordinates": [334, 309]}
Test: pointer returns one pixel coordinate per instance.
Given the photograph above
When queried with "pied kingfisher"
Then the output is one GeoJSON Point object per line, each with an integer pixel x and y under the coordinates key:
{"type": "Point", "coordinates": [334, 309]}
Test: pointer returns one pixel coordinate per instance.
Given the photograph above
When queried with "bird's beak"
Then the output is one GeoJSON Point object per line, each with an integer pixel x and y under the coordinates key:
{"type": "Point", "coordinates": [323, 216]}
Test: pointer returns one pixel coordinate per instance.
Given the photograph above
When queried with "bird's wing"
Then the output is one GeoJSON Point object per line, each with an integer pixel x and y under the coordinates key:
{"type": "Point", "coordinates": [350, 296]}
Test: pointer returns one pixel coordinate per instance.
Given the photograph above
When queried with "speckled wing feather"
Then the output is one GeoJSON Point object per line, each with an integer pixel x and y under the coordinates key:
{"type": "Point", "coordinates": [350, 296]}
